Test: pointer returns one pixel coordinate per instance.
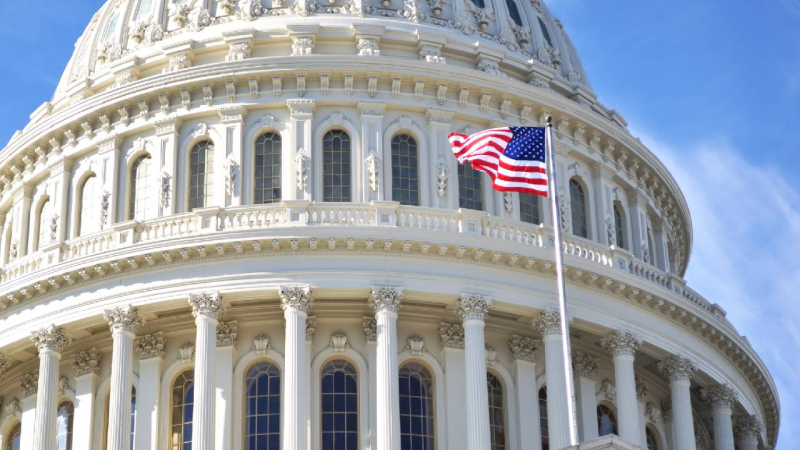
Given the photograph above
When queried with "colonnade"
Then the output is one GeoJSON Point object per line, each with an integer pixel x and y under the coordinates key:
{"type": "Point", "coordinates": [468, 337]}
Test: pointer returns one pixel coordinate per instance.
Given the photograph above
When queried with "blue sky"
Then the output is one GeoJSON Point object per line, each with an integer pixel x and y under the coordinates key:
{"type": "Point", "coordinates": [712, 87]}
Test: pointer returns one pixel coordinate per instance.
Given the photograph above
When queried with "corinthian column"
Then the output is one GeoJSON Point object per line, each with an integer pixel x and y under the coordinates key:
{"type": "Point", "coordinates": [50, 341]}
{"type": "Point", "coordinates": [549, 324]}
{"type": "Point", "coordinates": [678, 371]}
{"type": "Point", "coordinates": [747, 430]}
{"type": "Point", "coordinates": [472, 310]}
{"type": "Point", "coordinates": [124, 322]}
{"type": "Point", "coordinates": [722, 398]}
{"type": "Point", "coordinates": [385, 302]}
{"type": "Point", "coordinates": [295, 301]}
{"type": "Point", "coordinates": [207, 309]}
{"type": "Point", "coordinates": [623, 345]}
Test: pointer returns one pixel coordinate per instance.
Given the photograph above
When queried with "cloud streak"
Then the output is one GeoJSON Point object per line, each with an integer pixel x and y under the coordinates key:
{"type": "Point", "coordinates": [746, 254]}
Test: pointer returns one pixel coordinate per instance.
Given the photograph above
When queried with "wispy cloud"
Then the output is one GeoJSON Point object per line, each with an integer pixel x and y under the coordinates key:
{"type": "Point", "coordinates": [746, 254]}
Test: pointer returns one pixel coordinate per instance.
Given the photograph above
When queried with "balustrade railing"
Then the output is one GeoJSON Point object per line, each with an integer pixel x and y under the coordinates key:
{"type": "Point", "coordinates": [166, 227]}
{"type": "Point", "coordinates": [649, 272]}
{"type": "Point", "coordinates": [586, 249]}
{"type": "Point", "coordinates": [21, 266]}
{"type": "Point", "coordinates": [97, 242]}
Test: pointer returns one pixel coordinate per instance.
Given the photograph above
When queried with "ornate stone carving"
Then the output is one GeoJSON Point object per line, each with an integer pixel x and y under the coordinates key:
{"type": "Point", "coordinates": [385, 298]}
{"type": "Point", "coordinates": [721, 396]}
{"type": "Point", "coordinates": [231, 169]}
{"type": "Point", "coordinates": [63, 385]}
{"type": "Point", "coordinates": [29, 384]}
{"type": "Point", "coordinates": [227, 332]}
{"type": "Point", "coordinates": [651, 412]}
{"type": "Point", "coordinates": [311, 327]}
{"type": "Point", "coordinates": [207, 304]}
{"type": "Point", "coordinates": [584, 365]}
{"type": "Point", "coordinates": [473, 307]}
{"type": "Point", "coordinates": [368, 47]}
{"type": "Point", "coordinates": [250, 9]}
{"type": "Point", "coordinates": [611, 231]}
{"type": "Point", "coordinates": [442, 172]}
{"type": "Point", "coordinates": [548, 322]}
{"type": "Point", "coordinates": [373, 164]}
{"type": "Point", "coordinates": [491, 355]}
{"type": "Point", "coordinates": [4, 363]}
{"type": "Point", "coordinates": [621, 343]}
{"type": "Point", "coordinates": [301, 161]}
{"type": "Point", "coordinates": [296, 297]}
{"type": "Point", "coordinates": [416, 345]}
{"type": "Point", "coordinates": [124, 318]}
{"type": "Point", "coordinates": [523, 348]}
{"type": "Point", "coordinates": [225, 7]}
{"type": "Point", "coordinates": [641, 389]}
{"type": "Point", "coordinates": [261, 344]}
{"type": "Point", "coordinates": [339, 342]}
{"type": "Point", "coordinates": [666, 410]}
{"type": "Point", "coordinates": [412, 11]}
{"type": "Point", "coordinates": [748, 426]}
{"type": "Point", "coordinates": [677, 368]}
{"type": "Point", "coordinates": [179, 62]}
{"type": "Point", "coordinates": [238, 51]}
{"type": "Point", "coordinates": [370, 328]}
{"type": "Point", "coordinates": [151, 346]}
{"type": "Point", "coordinates": [451, 335]}
{"type": "Point", "coordinates": [432, 54]}
{"type": "Point", "coordinates": [186, 352]}
{"type": "Point", "coordinates": [508, 201]}
{"type": "Point", "coordinates": [13, 407]}
{"type": "Point", "coordinates": [87, 362]}
{"type": "Point", "coordinates": [50, 338]}
{"type": "Point", "coordinates": [302, 45]}
{"type": "Point", "coordinates": [608, 389]}
{"type": "Point", "coordinates": [164, 189]}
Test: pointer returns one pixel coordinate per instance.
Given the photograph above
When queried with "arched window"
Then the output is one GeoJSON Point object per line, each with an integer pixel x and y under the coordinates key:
{"type": "Point", "coordinates": [529, 208]}
{"type": "Point", "coordinates": [182, 411]}
{"type": "Point", "coordinates": [262, 403]}
{"type": "Point", "coordinates": [89, 212]}
{"type": "Point", "coordinates": [43, 220]}
{"type": "Point", "coordinates": [64, 420]}
{"type": "Point", "coordinates": [606, 420]}
{"type": "Point", "coordinates": [145, 6]}
{"type": "Point", "coordinates": [201, 174]}
{"type": "Point", "coordinates": [133, 418]}
{"type": "Point", "coordinates": [578, 199]}
{"type": "Point", "coordinates": [339, 406]}
{"type": "Point", "coordinates": [14, 437]}
{"type": "Point", "coordinates": [416, 408]}
{"type": "Point", "coordinates": [619, 227]}
{"type": "Point", "coordinates": [336, 171]}
{"type": "Point", "coordinates": [652, 438]}
{"type": "Point", "coordinates": [543, 418]}
{"type": "Point", "coordinates": [470, 187]}
{"type": "Point", "coordinates": [513, 11]}
{"type": "Point", "coordinates": [267, 165]}
{"type": "Point", "coordinates": [545, 33]}
{"type": "Point", "coordinates": [405, 170]}
{"type": "Point", "coordinates": [497, 419]}
{"type": "Point", "coordinates": [139, 200]}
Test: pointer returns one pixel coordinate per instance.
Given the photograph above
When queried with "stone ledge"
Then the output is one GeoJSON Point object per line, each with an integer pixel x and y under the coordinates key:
{"type": "Point", "coordinates": [610, 442]}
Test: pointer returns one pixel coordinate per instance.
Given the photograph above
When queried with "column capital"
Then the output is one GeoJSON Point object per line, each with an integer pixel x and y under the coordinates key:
{"type": "Point", "coordinates": [207, 304]}
{"type": "Point", "coordinates": [585, 366]}
{"type": "Point", "coordinates": [151, 346]}
{"type": "Point", "coordinates": [473, 307]}
{"type": "Point", "coordinates": [87, 363]}
{"type": "Point", "coordinates": [370, 328]}
{"type": "Point", "coordinates": [385, 299]}
{"type": "Point", "coordinates": [29, 384]}
{"type": "Point", "coordinates": [50, 338]}
{"type": "Point", "coordinates": [677, 368]}
{"type": "Point", "coordinates": [451, 335]}
{"type": "Point", "coordinates": [748, 426]}
{"type": "Point", "coordinates": [641, 389]}
{"type": "Point", "coordinates": [523, 348]}
{"type": "Point", "coordinates": [300, 107]}
{"type": "Point", "coordinates": [227, 332]}
{"type": "Point", "coordinates": [666, 410]}
{"type": "Point", "coordinates": [621, 343]}
{"type": "Point", "coordinates": [296, 297]}
{"type": "Point", "coordinates": [548, 322]}
{"type": "Point", "coordinates": [721, 396]}
{"type": "Point", "coordinates": [124, 319]}
{"type": "Point", "coordinates": [442, 116]}
{"type": "Point", "coordinates": [311, 327]}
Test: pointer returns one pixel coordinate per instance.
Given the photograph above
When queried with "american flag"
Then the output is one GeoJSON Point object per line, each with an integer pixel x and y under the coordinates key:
{"type": "Point", "coordinates": [513, 156]}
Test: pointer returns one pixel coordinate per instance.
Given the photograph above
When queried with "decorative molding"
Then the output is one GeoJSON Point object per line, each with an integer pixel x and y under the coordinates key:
{"type": "Point", "coordinates": [621, 343]}
{"type": "Point", "coordinates": [385, 299]}
{"type": "Point", "coordinates": [666, 410]}
{"type": "Point", "coordinates": [50, 338]}
{"type": "Point", "coordinates": [473, 307]}
{"type": "Point", "coordinates": [29, 384]}
{"type": "Point", "coordinates": [311, 327]}
{"type": "Point", "coordinates": [677, 368]}
{"type": "Point", "coordinates": [748, 426]}
{"type": "Point", "coordinates": [186, 352]}
{"type": "Point", "coordinates": [584, 365]}
{"type": "Point", "coordinates": [261, 344]}
{"type": "Point", "coordinates": [370, 328]}
{"type": "Point", "coordinates": [227, 332]}
{"type": "Point", "coordinates": [491, 355]}
{"type": "Point", "coordinates": [4, 363]}
{"type": "Point", "coordinates": [416, 345]}
{"type": "Point", "coordinates": [87, 363]}
{"type": "Point", "coordinates": [151, 346]}
{"type": "Point", "coordinates": [126, 319]}
{"type": "Point", "coordinates": [548, 322]}
{"type": "Point", "coordinates": [207, 304]}
{"type": "Point", "coordinates": [451, 335]}
{"type": "Point", "coordinates": [721, 396]}
{"type": "Point", "coordinates": [641, 389]}
{"type": "Point", "coordinates": [607, 389]}
{"type": "Point", "coordinates": [339, 342]}
{"type": "Point", "coordinates": [523, 348]}
{"type": "Point", "coordinates": [296, 297]}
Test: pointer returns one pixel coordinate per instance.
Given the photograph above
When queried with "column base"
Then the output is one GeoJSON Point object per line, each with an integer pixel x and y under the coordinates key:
{"type": "Point", "coordinates": [610, 442]}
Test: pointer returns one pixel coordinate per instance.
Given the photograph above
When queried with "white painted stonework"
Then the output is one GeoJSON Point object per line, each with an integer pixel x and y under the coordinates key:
{"type": "Point", "coordinates": [102, 223]}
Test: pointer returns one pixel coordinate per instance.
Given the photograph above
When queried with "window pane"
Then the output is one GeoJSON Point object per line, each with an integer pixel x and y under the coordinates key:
{"type": "Point", "coordinates": [619, 227]}
{"type": "Point", "coordinates": [405, 170]}
{"type": "Point", "coordinates": [416, 407]}
{"type": "Point", "coordinates": [336, 166]}
{"type": "Point", "coordinates": [45, 216]}
{"type": "Point", "coordinates": [652, 439]}
{"type": "Point", "coordinates": [578, 199]}
{"type": "Point", "coordinates": [267, 169]}
{"type": "Point", "coordinates": [606, 420]}
{"type": "Point", "coordinates": [262, 406]}
{"type": "Point", "coordinates": [139, 201]}
{"type": "Point", "coordinates": [89, 216]}
{"type": "Point", "coordinates": [64, 418]}
{"type": "Point", "coordinates": [182, 411]}
{"type": "Point", "coordinates": [513, 11]}
{"type": "Point", "coordinates": [14, 438]}
{"type": "Point", "coordinates": [496, 413]}
{"type": "Point", "coordinates": [470, 187]}
{"type": "Point", "coordinates": [339, 406]}
{"type": "Point", "coordinates": [543, 418]}
{"type": "Point", "coordinates": [201, 174]}
{"type": "Point", "coordinates": [529, 208]}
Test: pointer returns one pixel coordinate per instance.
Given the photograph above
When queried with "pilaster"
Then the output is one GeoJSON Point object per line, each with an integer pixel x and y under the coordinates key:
{"type": "Point", "coordinates": [230, 153]}
{"type": "Point", "coordinates": [585, 370]}
{"type": "Point", "coordinates": [166, 163]}
{"type": "Point", "coordinates": [151, 354]}
{"type": "Point", "coordinates": [385, 303]}
{"type": "Point", "coordinates": [295, 301]}
{"type": "Point", "coordinates": [548, 323]}
{"type": "Point", "coordinates": [678, 370]}
{"type": "Point", "coordinates": [108, 173]}
{"type": "Point", "coordinates": [452, 338]}
{"type": "Point", "coordinates": [227, 333]}
{"type": "Point", "coordinates": [373, 181]}
{"type": "Point", "coordinates": [604, 207]}
{"type": "Point", "coordinates": [124, 322]}
{"type": "Point", "coordinates": [86, 367]}
{"type": "Point", "coordinates": [637, 206]}
{"type": "Point", "coordinates": [443, 167]}
{"type": "Point", "coordinates": [523, 352]}
{"type": "Point", "coordinates": [49, 341]}
{"type": "Point", "coordinates": [299, 160]}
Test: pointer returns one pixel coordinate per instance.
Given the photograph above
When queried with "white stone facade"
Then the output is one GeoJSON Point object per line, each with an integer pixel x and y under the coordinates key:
{"type": "Point", "coordinates": [174, 189]}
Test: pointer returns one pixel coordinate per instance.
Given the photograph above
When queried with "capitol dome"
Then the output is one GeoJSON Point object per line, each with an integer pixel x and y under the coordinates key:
{"type": "Point", "coordinates": [238, 224]}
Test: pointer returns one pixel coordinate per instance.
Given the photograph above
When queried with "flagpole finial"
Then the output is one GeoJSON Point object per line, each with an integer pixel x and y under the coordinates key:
{"type": "Point", "coordinates": [549, 121]}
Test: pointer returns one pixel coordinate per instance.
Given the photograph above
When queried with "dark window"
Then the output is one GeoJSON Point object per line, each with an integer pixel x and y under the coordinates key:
{"type": "Point", "coordinates": [545, 32]}
{"type": "Point", "coordinates": [619, 226]}
{"type": "Point", "coordinates": [652, 439]}
{"type": "Point", "coordinates": [405, 170]}
{"type": "Point", "coordinates": [578, 199]}
{"type": "Point", "coordinates": [543, 418]}
{"type": "Point", "coordinates": [267, 165]}
{"type": "Point", "coordinates": [182, 411]}
{"type": "Point", "coordinates": [529, 208]}
{"type": "Point", "coordinates": [336, 171]}
{"type": "Point", "coordinates": [470, 187]}
{"type": "Point", "coordinates": [201, 174]}
{"type": "Point", "coordinates": [513, 11]}
{"type": "Point", "coordinates": [479, 3]}
{"type": "Point", "coordinates": [416, 408]}
{"type": "Point", "coordinates": [497, 420]}
{"type": "Point", "coordinates": [64, 419]}
{"type": "Point", "coordinates": [262, 426]}
{"type": "Point", "coordinates": [139, 199]}
{"type": "Point", "coordinates": [339, 406]}
{"type": "Point", "coordinates": [13, 440]}
{"type": "Point", "coordinates": [606, 421]}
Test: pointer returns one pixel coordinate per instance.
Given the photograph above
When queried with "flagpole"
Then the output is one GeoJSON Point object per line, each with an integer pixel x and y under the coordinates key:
{"type": "Point", "coordinates": [562, 291]}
